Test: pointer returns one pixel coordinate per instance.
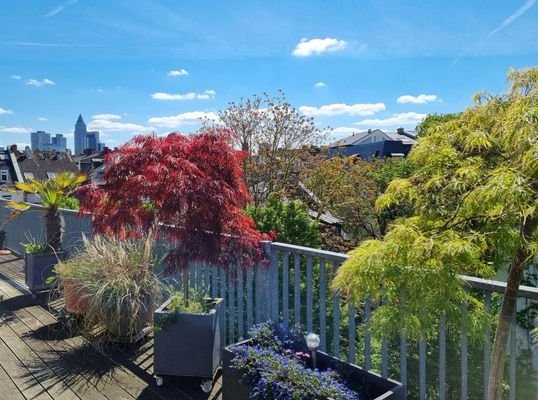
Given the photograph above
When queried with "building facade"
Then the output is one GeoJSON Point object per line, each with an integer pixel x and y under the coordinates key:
{"type": "Point", "coordinates": [40, 141]}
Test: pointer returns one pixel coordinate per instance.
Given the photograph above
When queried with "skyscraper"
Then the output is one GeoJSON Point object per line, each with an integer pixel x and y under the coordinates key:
{"type": "Point", "coordinates": [59, 143]}
{"type": "Point", "coordinates": [92, 140]}
{"type": "Point", "coordinates": [80, 136]}
{"type": "Point", "coordinates": [40, 141]}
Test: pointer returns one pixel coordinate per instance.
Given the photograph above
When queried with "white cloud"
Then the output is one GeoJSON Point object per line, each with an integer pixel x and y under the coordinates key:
{"type": "Point", "coordinates": [402, 119]}
{"type": "Point", "coordinates": [42, 119]}
{"type": "Point", "coordinates": [107, 117]}
{"type": "Point", "coordinates": [178, 72]}
{"type": "Point", "coordinates": [420, 99]}
{"type": "Point", "coordinates": [16, 77]}
{"type": "Point", "coordinates": [60, 8]}
{"type": "Point", "coordinates": [14, 129]}
{"type": "Point", "coordinates": [330, 110]}
{"type": "Point", "coordinates": [188, 118]}
{"type": "Point", "coordinates": [38, 83]}
{"type": "Point", "coordinates": [306, 48]}
{"type": "Point", "coordinates": [515, 15]}
{"type": "Point", "coordinates": [320, 84]}
{"type": "Point", "coordinates": [5, 111]}
{"type": "Point", "coordinates": [109, 125]}
{"type": "Point", "coordinates": [206, 94]}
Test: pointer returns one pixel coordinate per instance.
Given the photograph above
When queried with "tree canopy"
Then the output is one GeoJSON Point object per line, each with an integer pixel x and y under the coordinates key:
{"type": "Point", "coordinates": [475, 211]}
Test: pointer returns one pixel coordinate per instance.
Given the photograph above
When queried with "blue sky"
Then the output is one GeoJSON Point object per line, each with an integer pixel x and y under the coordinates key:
{"type": "Point", "coordinates": [352, 65]}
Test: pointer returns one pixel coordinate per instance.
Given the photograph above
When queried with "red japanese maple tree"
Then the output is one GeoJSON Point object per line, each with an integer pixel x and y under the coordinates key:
{"type": "Point", "coordinates": [188, 189]}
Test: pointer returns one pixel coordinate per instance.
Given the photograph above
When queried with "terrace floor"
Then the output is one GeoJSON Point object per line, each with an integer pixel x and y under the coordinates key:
{"type": "Point", "coordinates": [39, 359]}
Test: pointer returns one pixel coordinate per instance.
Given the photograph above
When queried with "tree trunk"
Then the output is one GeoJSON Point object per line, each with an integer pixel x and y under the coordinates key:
{"type": "Point", "coordinates": [507, 311]}
{"type": "Point", "coordinates": [53, 223]}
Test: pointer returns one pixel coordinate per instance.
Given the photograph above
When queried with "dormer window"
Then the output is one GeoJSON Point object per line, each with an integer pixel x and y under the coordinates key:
{"type": "Point", "coordinates": [4, 175]}
{"type": "Point", "coordinates": [29, 175]}
{"type": "Point", "coordinates": [51, 175]}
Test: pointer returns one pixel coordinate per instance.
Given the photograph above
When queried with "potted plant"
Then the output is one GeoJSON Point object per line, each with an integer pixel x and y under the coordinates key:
{"type": "Point", "coordinates": [113, 283]}
{"type": "Point", "coordinates": [277, 363]}
{"type": "Point", "coordinates": [188, 190]}
{"type": "Point", "coordinates": [183, 325]}
{"type": "Point", "coordinates": [40, 258]}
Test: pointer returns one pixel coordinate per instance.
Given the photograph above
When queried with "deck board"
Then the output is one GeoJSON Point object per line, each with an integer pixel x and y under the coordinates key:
{"type": "Point", "coordinates": [39, 359]}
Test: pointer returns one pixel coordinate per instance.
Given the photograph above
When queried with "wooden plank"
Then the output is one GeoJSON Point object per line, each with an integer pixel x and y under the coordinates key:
{"type": "Point", "coordinates": [351, 333]}
{"type": "Point", "coordinates": [240, 305]}
{"type": "Point", "coordinates": [20, 375]}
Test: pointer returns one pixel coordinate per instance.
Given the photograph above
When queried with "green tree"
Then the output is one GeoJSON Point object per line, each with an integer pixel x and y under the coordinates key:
{"type": "Point", "coordinates": [433, 121]}
{"type": "Point", "coordinates": [288, 219]}
{"type": "Point", "coordinates": [475, 206]}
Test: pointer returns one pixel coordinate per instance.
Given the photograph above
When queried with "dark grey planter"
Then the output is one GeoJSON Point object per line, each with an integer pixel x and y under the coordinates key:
{"type": "Point", "coordinates": [369, 385]}
{"type": "Point", "coordinates": [188, 344]}
{"type": "Point", "coordinates": [39, 267]}
{"type": "Point", "coordinates": [2, 239]}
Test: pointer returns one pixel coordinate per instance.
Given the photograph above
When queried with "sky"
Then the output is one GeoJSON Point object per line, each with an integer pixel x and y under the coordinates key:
{"type": "Point", "coordinates": [137, 66]}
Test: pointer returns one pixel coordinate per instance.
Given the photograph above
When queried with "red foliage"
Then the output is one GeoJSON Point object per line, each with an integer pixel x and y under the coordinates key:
{"type": "Point", "coordinates": [188, 189]}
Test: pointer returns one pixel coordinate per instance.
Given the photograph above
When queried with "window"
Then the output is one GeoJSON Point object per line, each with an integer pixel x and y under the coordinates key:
{"type": "Point", "coordinates": [29, 175]}
{"type": "Point", "coordinates": [51, 175]}
{"type": "Point", "coordinates": [3, 175]}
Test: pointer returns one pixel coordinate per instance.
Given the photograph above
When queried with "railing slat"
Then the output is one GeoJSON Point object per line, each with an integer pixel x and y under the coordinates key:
{"type": "Point", "coordinates": [250, 309]}
{"type": "Point", "coordinates": [309, 296]}
{"type": "Point", "coordinates": [351, 333]}
{"type": "Point", "coordinates": [285, 288]}
{"type": "Point", "coordinates": [367, 336]}
{"type": "Point", "coordinates": [336, 319]}
{"type": "Point", "coordinates": [442, 357]}
{"type": "Point", "coordinates": [403, 359]}
{"type": "Point", "coordinates": [322, 305]}
{"type": "Point", "coordinates": [240, 311]}
{"type": "Point", "coordinates": [297, 289]}
{"type": "Point", "coordinates": [384, 358]}
{"type": "Point", "coordinates": [487, 349]}
{"type": "Point", "coordinates": [224, 305]}
{"type": "Point", "coordinates": [513, 357]}
{"type": "Point", "coordinates": [214, 278]}
{"type": "Point", "coordinates": [422, 369]}
{"type": "Point", "coordinates": [274, 284]}
{"type": "Point", "coordinates": [231, 309]}
{"type": "Point", "coordinates": [464, 353]}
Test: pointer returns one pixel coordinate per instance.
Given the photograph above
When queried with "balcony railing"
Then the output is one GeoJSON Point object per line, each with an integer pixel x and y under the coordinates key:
{"type": "Point", "coordinates": [294, 289]}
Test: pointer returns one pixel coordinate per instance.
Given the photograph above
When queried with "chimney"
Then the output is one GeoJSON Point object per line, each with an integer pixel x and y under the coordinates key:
{"type": "Point", "coordinates": [400, 131]}
{"type": "Point", "coordinates": [369, 131]}
{"type": "Point", "coordinates": [13, 148]}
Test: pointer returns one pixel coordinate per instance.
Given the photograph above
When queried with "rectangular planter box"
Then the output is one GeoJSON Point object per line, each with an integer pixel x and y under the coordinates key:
{"type": "Point", "coordinates": [188, 344]}
{"type": "Point", "coordinates": [371, 386]}
{"type": "Point", "coordinates": [38, 268]}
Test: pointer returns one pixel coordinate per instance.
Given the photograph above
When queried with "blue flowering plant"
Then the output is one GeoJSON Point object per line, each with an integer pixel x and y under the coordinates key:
{"type": "Point", "coordinates": [276, 365]}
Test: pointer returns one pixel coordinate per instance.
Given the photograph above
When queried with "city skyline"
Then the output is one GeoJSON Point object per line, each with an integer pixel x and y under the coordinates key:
{"type": "Point", "coordinates": [136, 67]}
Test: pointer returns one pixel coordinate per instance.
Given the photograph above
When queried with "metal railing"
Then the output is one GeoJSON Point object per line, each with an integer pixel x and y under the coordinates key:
{"type": "Point", "coordinates": [294, 289]}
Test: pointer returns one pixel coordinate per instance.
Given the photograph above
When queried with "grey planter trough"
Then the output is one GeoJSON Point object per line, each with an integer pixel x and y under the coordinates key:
{"type": "Point", "coordinates": [188, 344]}
{"type": "Point", "coordinates": [39, 267]}
{"type": "Point", "coordinates": [369, 385]}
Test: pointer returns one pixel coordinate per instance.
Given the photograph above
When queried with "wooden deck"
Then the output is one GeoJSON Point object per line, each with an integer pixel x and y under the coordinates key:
{"type": "Point", "coordinates": [39, 359]}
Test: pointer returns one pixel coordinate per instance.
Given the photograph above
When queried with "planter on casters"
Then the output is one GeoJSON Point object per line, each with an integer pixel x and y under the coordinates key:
{"type": "Point", "coordinates": [39, 267]}
{"type": "Point", "coordinates": [188, 344]}
{"type": "Point", "coordinates": [368, 385]}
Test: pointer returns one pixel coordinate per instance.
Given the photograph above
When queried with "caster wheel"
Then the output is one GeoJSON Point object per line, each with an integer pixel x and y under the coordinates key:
{"type": "Point", "coordinates": [159, 380]}
{"type": "Point", "coordinates": [207, 386]}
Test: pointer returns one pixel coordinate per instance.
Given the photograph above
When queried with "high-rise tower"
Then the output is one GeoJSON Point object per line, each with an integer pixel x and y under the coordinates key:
{"type": "Point", "coordinates": [80, 136]}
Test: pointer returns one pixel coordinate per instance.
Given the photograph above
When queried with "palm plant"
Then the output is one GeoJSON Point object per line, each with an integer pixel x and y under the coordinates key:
{"type": "Point", "coordinates": [52, 194]}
